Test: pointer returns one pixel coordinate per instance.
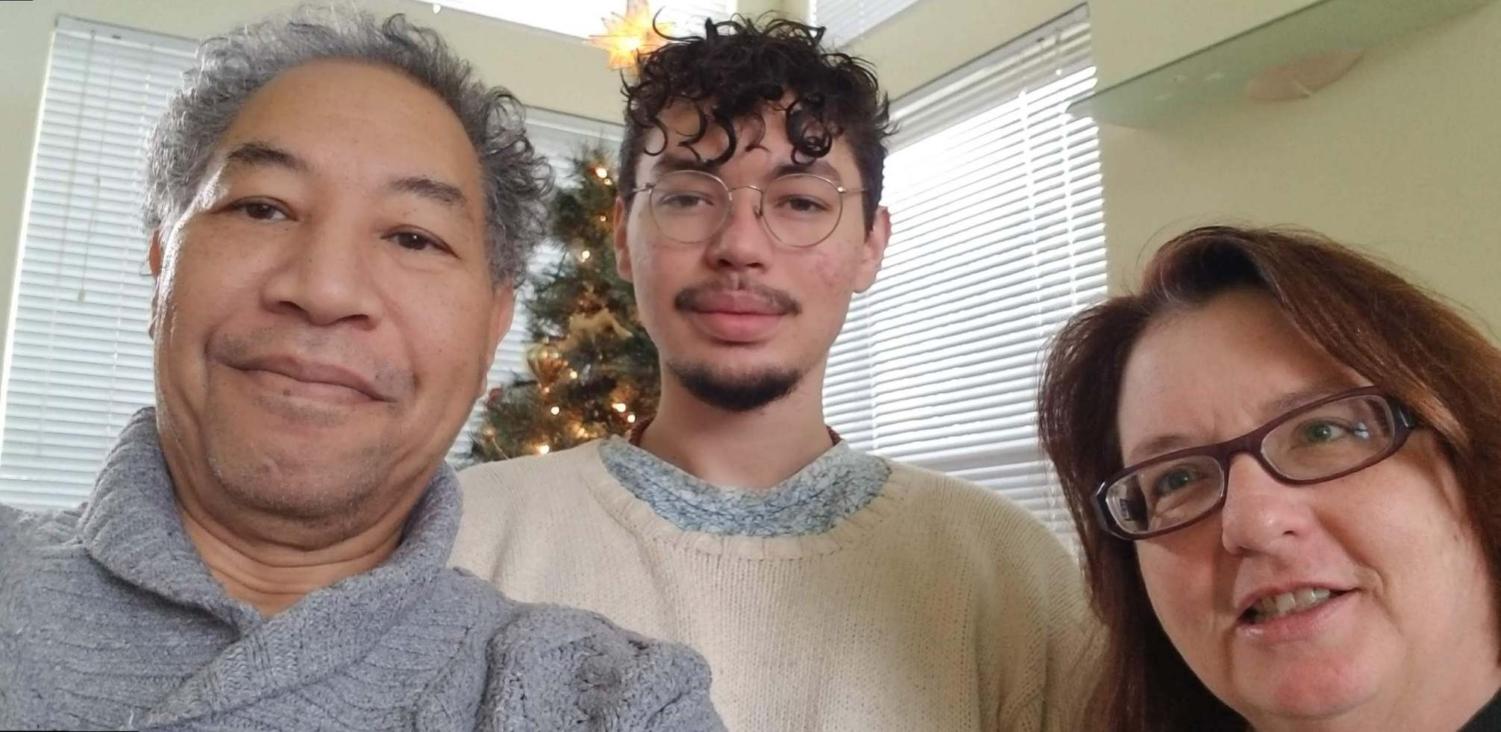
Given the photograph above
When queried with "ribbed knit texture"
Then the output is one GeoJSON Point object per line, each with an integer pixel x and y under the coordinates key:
{"type": "Point", "coordinates": [937, 606]}
{"type": "Point", "coordinates": [833, 487]}
{"type": "Point", "coordinates": [109, 620]}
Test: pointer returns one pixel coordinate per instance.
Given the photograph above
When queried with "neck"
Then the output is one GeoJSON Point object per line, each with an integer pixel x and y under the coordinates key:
{"type": "Point", "coordinates": [752, 450]}
{"type": "Point", "coordinates": [272, 574]}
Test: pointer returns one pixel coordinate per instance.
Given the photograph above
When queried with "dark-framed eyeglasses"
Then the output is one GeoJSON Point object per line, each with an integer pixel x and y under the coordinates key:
{"type": "Point", "coordinates": [1326, 439]}
{"type": "Point", "coordinates": [798, 210]}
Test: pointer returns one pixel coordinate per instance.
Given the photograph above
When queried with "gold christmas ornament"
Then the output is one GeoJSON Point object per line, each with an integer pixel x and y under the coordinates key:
{"type": "Point", "coordinates": [546, 363]}
{"type": "Point", "coordinates": [585, 326]}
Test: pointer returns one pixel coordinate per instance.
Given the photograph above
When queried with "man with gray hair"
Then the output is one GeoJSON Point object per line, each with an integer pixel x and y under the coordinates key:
{"type": "Point", "coordinates": [338, 210]}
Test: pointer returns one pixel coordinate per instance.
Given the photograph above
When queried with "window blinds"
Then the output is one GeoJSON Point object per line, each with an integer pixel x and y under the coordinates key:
{"type": "Point", "coordinates": [78, 359]}
{"type": "Point", "coordinates": [846, 20]}
{"type": "Point", "coordinates": [994, 193]}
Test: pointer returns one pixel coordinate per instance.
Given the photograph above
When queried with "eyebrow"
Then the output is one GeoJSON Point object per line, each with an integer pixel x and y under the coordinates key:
{"type": "Point", "coordinates": [431, 189]}
{"type": "Point", "coordinates": [820, 167]}
{"type": "Point", "coordinates": [1271, 409]}
{"type": "Point", "coordinates": [674, 163]}
{"type": "Point", "coordinates": [262, 154]}
{"type": "Point", "coordinates": [256, 154]}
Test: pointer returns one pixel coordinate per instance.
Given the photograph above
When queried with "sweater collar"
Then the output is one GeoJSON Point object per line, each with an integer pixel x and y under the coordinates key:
{"type": "Point", "coordinates": [132, 528]}
{"type": "Point", "coordinates": [833, 487]}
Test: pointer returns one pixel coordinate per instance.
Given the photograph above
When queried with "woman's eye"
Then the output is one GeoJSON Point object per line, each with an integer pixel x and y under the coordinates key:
{"type": "Point", "coordinates": [1174, 480]}
{"type": "Point", "coordinates": [1318, 433]}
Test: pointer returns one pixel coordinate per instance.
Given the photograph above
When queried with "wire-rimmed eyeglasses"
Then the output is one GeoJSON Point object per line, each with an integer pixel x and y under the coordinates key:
{"type": "Point", "coordinates": [798, 210]}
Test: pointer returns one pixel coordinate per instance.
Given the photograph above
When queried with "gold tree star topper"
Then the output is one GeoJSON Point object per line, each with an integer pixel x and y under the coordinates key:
{"type": "Point", "coordinates": [629, 36]}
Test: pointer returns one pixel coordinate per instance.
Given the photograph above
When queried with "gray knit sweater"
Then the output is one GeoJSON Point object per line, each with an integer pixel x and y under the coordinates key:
{"type": "Point", "coordinates": [109, 619]}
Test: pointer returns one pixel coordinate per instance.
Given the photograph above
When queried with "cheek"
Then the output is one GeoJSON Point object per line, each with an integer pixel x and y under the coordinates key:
{"type": "Point", "coordinates": [1179, 575]}
{"type": "Point", "coordinates": [200, 289]}
{"type": "Point", "coordinates": [445, 329]}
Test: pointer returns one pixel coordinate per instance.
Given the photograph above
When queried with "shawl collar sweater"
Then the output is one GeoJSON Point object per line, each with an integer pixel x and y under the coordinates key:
{"type": "Point", "coordinates": [109, 619]}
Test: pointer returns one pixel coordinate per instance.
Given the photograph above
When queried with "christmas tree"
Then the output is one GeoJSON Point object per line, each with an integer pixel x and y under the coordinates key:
{"type": "Point", "coordinates": [593, 368]}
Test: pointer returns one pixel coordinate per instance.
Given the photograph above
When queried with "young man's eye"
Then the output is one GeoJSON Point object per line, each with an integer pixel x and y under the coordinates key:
{"type": "Point", "coordinates": [805, 205]}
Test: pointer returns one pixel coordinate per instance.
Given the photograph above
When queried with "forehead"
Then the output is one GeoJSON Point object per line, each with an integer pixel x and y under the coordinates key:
{"type": "Point", "coordinates": [761, 143]}
{"type": "Point", "coordinates": [353, 118]}
{"type": "Point", "coordinates": [1227, 361]}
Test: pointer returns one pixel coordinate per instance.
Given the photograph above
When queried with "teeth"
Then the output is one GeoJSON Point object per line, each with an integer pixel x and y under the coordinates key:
{"type": "Point", "coordinates": [1269, 608]}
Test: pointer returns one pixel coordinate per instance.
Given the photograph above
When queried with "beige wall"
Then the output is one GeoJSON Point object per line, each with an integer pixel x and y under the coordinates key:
{"type": "Point", "coordinates": [934, 37]}
{"type": "Point", "coordinates": [544, 69]}
{"type": "Point", "coordinates": [1400, 157]}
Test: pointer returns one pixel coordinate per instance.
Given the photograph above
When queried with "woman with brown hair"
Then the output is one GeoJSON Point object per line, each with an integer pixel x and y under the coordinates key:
{"type": "Point", "coordinates": [1284, 465]}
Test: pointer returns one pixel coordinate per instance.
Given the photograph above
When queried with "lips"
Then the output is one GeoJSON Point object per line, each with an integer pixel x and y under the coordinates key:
{"type": "Point", "coordinates": [317, 375]}
{"type": "Point", "coordinates": [1274, 603]}
{"type": "Point", "coordinates": [739, 315]}
{"type": "Point", "coordinates": [736, 302]}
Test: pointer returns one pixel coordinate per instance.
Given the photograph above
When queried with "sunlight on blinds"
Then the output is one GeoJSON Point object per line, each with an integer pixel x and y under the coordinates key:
{"type": "Point", "coordinates": [994, 193]}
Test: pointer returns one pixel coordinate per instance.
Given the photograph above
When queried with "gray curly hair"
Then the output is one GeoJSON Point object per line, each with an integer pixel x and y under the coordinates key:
{"type": "Point", "coordinates": [234, 66]}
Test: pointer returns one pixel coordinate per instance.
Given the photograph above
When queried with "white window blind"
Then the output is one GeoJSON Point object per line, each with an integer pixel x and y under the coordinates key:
{"type": "Point", "coordinates": [846, 20]}
{"type": "Point", "coordinates": [995, 198]}
{"type": "Point", "coordinates": [78, 358]}
{"type": "Point", "coordinates": [583, 18]}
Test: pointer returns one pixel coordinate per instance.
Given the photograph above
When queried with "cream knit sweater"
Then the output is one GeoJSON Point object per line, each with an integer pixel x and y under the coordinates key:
{"type": "Point", "coordinates": [938, 606]}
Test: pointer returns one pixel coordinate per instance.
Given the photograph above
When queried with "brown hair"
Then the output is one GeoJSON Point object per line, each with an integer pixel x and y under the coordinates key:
{"type": "Point", "coordinates": [1403, 339]}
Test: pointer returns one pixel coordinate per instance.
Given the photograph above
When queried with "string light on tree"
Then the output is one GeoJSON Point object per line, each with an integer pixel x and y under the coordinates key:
{"type": "Point", "coordinates": [591, 367]}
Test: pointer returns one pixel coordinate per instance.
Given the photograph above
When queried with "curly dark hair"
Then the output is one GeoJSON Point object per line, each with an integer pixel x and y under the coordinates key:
{"type": "Point", "coordinates": [740, 65]}
{"type": "Point", "coordinates": [232, 67]}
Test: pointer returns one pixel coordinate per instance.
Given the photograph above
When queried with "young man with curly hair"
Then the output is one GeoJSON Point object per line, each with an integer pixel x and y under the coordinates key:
{"type": "Point", "coordinates": [829, 589]}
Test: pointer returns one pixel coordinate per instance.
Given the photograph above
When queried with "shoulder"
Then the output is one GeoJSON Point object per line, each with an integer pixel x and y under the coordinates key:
{"type": "Point", "coordinates": [30, 529]}
{"type": "Point", "coordinates": [967, 509]}
{"type": "Point", "coordinates": [553, 666]}
{"type": "Point", "coordinates": [517, 474]}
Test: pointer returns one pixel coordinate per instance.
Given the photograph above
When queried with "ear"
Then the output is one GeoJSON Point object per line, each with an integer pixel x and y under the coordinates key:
{"type": "Point", "coordinates": [873, 250]}
{"type": "Point", "coordinates": [622, 248]}
{"type": "Point", "coordinates": [502, 310]}
{"type": "Point", "coordinates": [154, 261]}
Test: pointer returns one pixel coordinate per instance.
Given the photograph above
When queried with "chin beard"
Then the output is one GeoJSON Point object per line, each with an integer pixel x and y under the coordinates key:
{"type": "Point", "coordinates": [735, 393]}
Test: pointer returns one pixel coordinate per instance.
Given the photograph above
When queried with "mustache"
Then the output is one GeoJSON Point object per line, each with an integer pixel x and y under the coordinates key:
{"type": "Point", "coordinates": [702, 296]}
{"type": "Point", "coordinates": [313, 356]}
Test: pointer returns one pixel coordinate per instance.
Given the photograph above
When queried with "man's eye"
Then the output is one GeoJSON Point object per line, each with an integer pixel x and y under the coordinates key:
{"type": "Point", "coordinates": [262, 211]}
{"type": "Point", "coordinates": [804, 205]}
{"type": "Point", "coordinates": [415, 241]}
{"type": "Point", "coordinates": [678, 200]}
